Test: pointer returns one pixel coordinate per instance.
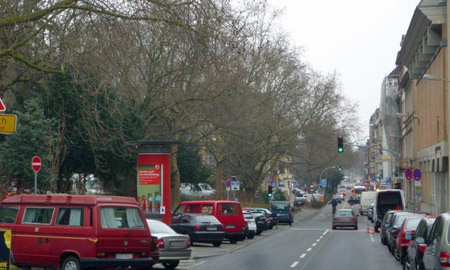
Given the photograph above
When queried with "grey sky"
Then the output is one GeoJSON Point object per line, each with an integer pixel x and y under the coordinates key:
{"type": "Point", "coordinates": [358, 39]}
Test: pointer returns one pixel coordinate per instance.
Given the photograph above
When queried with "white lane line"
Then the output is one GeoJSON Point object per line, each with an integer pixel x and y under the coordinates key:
{"type": "Point", "coordinates": [325, 232]}
{"type": "Point", "coordinates": [309, 249]}
{"type": "Point", "coordinates": [294, 264]}
{"type": "Point", "coordinates": [314, 244]}
{"type": "Point", "coordinates": [318, 240]}
{"type": "Point", "coordinates": [321, 237]}
{"type": "Point", "coordinates": [303, 256]}
{"type": "Point", "coordinates": [371, 238]}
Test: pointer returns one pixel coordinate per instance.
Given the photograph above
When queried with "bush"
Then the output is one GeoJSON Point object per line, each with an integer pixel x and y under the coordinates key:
{"type": "Point", "coordinates": [318, 204]}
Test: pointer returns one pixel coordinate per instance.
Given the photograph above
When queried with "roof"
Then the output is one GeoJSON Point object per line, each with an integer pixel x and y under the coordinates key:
{"type": "Point", "coordinates": [67, 199]}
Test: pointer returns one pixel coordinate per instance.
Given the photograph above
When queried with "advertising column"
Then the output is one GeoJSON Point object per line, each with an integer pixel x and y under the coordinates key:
{"type": "Point", "coordinates": [153, 183]}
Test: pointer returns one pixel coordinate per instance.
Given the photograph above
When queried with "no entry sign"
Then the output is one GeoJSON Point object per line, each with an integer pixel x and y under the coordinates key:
{"type": "Point", "coordinates": [36, 163]}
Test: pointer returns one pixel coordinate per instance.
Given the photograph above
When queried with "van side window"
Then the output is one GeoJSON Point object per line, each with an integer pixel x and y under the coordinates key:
{"type": "Point", "coordinates": [8, 214]}
{"type": "Point", "coordinates": [70, 216]}
{"type": "Point", "coordinates": [207, 209]}
{"type": "Point", "coordinates": [227, 208]}
{"type": "Point", "coordinates": [38, 215]}
{"type": "Point", "coordinates": [193, 209]}
{"type": "Point", "coordinates": [121, 218]}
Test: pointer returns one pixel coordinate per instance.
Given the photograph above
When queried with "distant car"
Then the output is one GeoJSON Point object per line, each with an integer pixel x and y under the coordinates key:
{"type": "Point", "coordinates": [299, 201]}
{"type": "Point", "coordinates": [405, 235]}
{"type": "Point", "coordinates": [345, 218]}
{"type": "Point", "coordinates": [173, 247]}
{"type": "Point", "coordinates": [200, 228]}
{"type": "Point", "coordinates": [414, 257]}
{"type": "Point", "coordinates": [273, 219]}
{"type": "Point", "coordinates": [251, 224]}
{"type": "Point", "coordinates": [437, 252]}
{"type": "Point", "coordinates": [283, 210]}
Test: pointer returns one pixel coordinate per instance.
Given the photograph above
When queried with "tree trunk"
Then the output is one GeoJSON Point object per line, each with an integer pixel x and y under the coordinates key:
{"type": "Point", "coordinates": [219, 180]}
{"type": "Point", "coordinates": [175, 177]}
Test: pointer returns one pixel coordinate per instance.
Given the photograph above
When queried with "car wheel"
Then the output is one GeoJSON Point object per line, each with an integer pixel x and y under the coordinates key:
{"type": "Point", "coordinates": [258, 232]}
{"type": "Point", "coordinates": [406, 263]}
{"type": "Point", "coordinates": [233, 240]}
{"type": "Point", "coordinates": [356, 227]}
{"type": "Point", "coordinates": [218, 243]}
{"type": "Point", "coordinates": [290, 223]}
{"type": "Point", "coordinates": [270, 227]}
{"type": "Point", "coordinates": [376, 229]}
{"type": "Point", "coordinates": [171, 264]}
{"type": "Point", "coordinates": [251, 236]}
{"type": "Point", "coordinates": [396, 253]}
{"type": "Point", "coordinates": [334, 227]}
{"type": "Point", "coordinates": [71, 263]}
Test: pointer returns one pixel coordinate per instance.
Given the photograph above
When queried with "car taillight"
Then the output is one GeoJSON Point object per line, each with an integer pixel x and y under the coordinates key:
{"type": "Point", "coordinates": [160, 243]}
{"type": "Point", "coordinates": [335, 219]}
{"type": "Point", "coordinates": [395, 234]}
{"type": "Point", "coordinates": [223, 227]}
{"type": "Point", "coordinates": [444, 259]}
{"type": "Point", "coordinates": [189, 243]}
{"type": "Point", "coordinates": [354, 219]}
{"type": "Point", "coordinates": [197, 227]}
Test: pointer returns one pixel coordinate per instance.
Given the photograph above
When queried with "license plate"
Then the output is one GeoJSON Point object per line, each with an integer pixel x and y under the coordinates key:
{"type": "Point", "coordinates": [124, 256]}
{"type": "Point", "coordinates": [229, 226]}
{"type": "Point", "coordinates": [176, 244]}
{"type": "Point", "coordinates": [259, 222]}
{"type": "Point", "coordinates": [211, 229]}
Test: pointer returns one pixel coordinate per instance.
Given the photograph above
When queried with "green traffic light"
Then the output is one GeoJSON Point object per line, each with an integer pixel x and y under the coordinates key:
{"type": "Point", "coordinates": [340, 150]}
{"type": "Point", "coordinates": [270, 194]}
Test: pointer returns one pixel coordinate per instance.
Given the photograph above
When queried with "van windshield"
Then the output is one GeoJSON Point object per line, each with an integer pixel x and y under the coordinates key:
{"type": "Point", "coordinates": [8, 214]}
{"type": "Point", "coordinates": [121, 218]}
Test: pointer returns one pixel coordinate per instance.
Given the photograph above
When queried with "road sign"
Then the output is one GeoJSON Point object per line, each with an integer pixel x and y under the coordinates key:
{"type": "Point", "coordinates": [282, 187]}
{"type": "Point", "coordinates": [295, 184]}
{"type": "Point", "coordinates": [417, 174]}
{"type": "Point", "coordinates": [323, 182]}
{"type": "Point", "coordinates": [273, 183]}
{"type": "Point", "coordinates": [36, 163]}
{"type": "Point", "coordinates": [228, 184]}
{"type": "Point", "coordinates": [8, 123]}
{"type": "Point", "coordinates": [235, 185]}
{"type": "Point", "coordinates": [2, 106]}
{"type": "Point", "coordinates": [408, 174]}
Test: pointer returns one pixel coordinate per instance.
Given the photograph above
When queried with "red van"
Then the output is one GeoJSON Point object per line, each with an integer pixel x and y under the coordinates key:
{"type": "Point", "coordinates": [229, 213]}
{"type": "Point", "coordinates": [77, 231]}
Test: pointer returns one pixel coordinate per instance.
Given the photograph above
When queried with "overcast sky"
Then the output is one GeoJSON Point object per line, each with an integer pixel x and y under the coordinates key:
{"type": "Point", "coordinates": [358, 39]}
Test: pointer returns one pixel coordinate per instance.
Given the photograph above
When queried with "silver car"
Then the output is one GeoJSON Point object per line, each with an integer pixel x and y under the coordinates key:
{"type": "Point", "coordinates": [173, 247]}
{"type": "Point", "coordinates": [437, 252]}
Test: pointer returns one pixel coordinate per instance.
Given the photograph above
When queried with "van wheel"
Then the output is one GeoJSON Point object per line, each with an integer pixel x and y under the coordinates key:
{"type": "Point", "coordinates": [71, 263]}
{"type": "Point", "coordinates": [170, 265]}
{"type": "Point", "coordinates": [217, 243]}
{"type": "Point", "coordinates": [233, 240]}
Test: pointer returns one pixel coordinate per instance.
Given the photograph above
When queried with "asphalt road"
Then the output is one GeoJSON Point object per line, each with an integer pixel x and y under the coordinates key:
{"type": "Point", "coordinates": [309, 243]}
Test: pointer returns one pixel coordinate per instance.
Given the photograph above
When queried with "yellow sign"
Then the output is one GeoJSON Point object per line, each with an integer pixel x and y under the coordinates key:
{"type": "Point", "coordinates": [8, 123]}
{"type": "Point", "coordinates": [386, 158]}
{"type": "Point", "coordinates": [7, 237]}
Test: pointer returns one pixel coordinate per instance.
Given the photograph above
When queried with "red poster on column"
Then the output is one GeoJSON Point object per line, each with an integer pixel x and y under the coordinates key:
{"type": "Point", "coordinates": [150, 175]}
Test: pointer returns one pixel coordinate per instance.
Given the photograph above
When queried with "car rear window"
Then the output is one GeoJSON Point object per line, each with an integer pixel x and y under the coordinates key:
{"type": "Point", "coordinates": [399, 220]}
{"type": "Point", "coordinates": [159, 227]}
{"type": "Point", "coordinates": [280, 206]}
{"type": "Point", "coordinates": [412, 223]}
{"type": "Point", "coordinates": [121, 218]}
{"type": "Point", "coordinates": [206, 219]}
{"type": "Point", "coordinates": [390, 198]}
{"type": "Point", "coordinates": [8, 214]}
{"type": "Point", "coordinates": [344, 214]}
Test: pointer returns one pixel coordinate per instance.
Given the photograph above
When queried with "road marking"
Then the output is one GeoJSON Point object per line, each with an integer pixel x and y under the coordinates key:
{"type": "Point", "coordinates": [318, 240]}
{"type": "Point", "coordinates": [294, 264]}
{"type": "Point", "coordinates": [314, 244]}
{"type": "Point", "coordinates": [371, 238]}
{"type": "Point", "coordinates": [325, 232]}
{"type": "Point", "coordinates": [309, 249]}
{"type": "Point", "coordinates": [306, 229]}
{"type": "Point", "coordinates": [321, 237]}
{"type": "Point", "coordinates": [303, 256]}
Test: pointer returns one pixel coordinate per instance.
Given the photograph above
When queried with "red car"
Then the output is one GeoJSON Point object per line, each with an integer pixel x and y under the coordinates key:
{"type": "Point", "coordinates": [405, 235]}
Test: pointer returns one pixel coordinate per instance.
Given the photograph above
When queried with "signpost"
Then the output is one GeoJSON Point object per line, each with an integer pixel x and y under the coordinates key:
{"type": "Point", "coordinates": [36, 165]}
{"type": "Point", "coordinates": [228, 185]}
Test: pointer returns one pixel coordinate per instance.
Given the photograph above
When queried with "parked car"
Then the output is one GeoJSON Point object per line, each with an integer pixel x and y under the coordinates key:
{"type": "Point", "coordinates": [437, 252]}
{"type": "Point", "coordinates": [302, 200]}
{"type": "Point", "coordinates": [385, 224]}
{"type": "Point", "coordinates": [283, 210]}
{"type": "Point", "coordinates": [405, 235]}
{"type": "Point", "coordinates": [229, 213]}
{"type": "Point", "coordinates": [394, 228]}
{"type": "Point", "coordinates": [273, 219]}
{"type": "Point", "coordinates": [367, 199]}
{"type": "Point", "coordinates": [414, 258]}
{"type": "Point", "coordinates": [200, 228]}
{"type": "Point", "coordinates": [56, 219]}
{"type": "Point", "coordinates": [251, 225]}
{"type": "Point", "coordinates": [173, 247]}
{"type": "Point", "coordinates": [345, 218]}
{"type": "Point", "coordinates": [388, 199]}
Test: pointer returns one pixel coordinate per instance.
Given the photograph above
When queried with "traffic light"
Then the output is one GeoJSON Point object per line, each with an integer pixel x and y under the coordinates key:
{"type": "Point", "coordinates": [270, 190]}
{"type": "Point", "coordinates": [340, 144]}
{"type": "Point", "coordinates": [340, 168]}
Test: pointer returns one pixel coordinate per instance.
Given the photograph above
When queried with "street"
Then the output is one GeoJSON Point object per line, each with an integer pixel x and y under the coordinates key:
{"type": "Point", "coordinates": [309, 244]}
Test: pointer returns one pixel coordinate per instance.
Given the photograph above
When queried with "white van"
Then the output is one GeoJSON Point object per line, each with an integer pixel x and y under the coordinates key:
{"type": "Point", "coordinates": [367, 198]}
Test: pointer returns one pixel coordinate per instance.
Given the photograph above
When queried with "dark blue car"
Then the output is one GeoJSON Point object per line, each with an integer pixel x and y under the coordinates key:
{"type": "Point", "coordinates": [282, 210]}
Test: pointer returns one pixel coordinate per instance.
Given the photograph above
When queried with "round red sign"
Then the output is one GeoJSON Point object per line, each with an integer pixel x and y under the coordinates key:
{"type": "Point", "coordinates": [36, 163]}
{"type": "Point", "coordinates": [408, 174]}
